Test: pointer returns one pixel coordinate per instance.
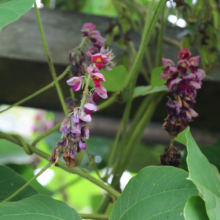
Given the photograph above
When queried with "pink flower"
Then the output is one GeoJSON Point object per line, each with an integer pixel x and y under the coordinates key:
{"type": "Point", "coordinates": [84, 117]}
{"type": "Point", "coordinates": [87, 27]}
{"type": "Point", "coordinates": [184, 54]}
{"type": "Point", "coordinates": [99, 59]}
{"type": "Point", "coordinates": [76, 82]}
{"type": "Point", "coordinates": [100, 90]}
{"type": "Point", "coordinates": [167, 62]}
{"type": "Point", "coordinates": [97, 77]}
{"type": "Point", "coordinates": [194, 61]}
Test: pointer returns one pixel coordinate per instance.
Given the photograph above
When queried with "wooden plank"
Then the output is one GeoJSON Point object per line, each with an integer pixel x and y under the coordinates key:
{"type": "Point", "coordinates": [24, 69]}
{"type": "Point", "coordinates": [22, 40]}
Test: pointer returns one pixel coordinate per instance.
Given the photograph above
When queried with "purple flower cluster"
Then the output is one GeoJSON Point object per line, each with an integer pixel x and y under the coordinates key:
{"type": "Point", "coordinates": [182, 81]}
{"type": "Point", "coordinates": [89, 30]}
{"type": "Point", "coordinates": [74, 127]}
{"type": "Point", "coordinates": [77, 61]}
{"type": "Point", "coordinates": [77, 57]}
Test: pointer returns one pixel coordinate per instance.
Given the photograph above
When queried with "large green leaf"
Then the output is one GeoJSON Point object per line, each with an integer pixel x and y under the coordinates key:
{"type": "Point", "coordinates": [10, 182]}
{"type": "Point", "coordinates": [114, 79]}
{"type": "Point", "coordinates": [212, 153]}
{"type": "Point", "coordinates": [145, 90]}
{"type": "Point", "coordinates": [37, 207]}
{"type": "Point", "coordinates": [28, 172]}
{"type": "Point", "coordinates": [155, 193]}
{"type": "Point", "coordinates": [12, 153]}
{"type": "Point", "coordinates": [195, 209]}
{"type": "Point", "coordinates": [156, 80]}
{"type": "Point", "coordinates": [12, 10]}
{"type": "Point", "coordinates": [203, 174]}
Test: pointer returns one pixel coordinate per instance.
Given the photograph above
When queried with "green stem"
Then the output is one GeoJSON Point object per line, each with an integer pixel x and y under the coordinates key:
{"type": "Point", "coordinates": [50, 61]}
{"type": "Point", "coordinates": [137, 133]}
{"type": "Point", "coordinates": [108, 102]}
{"type": "Point", "coordinates": [62, 165]}
{"type": "Point", "coordinates": [92, 162]}
{"type": "Point", "coordinates": [94, 216]}
{"type": "Point", "coordinates": [39, 91]}
{"type": "Point", "coordinates": [45, 134]}
{"type": "Point", "coordinates": [172, 42]}
{"type": "Point", "coordinates": [85, 92]}
{"type": "Point", "coordinates": [71, 183]}
{"type": "Point", "coordinates": [112, 153]}
{"type": "Point", "coordinates": [148, 30]}
{"type": "Point", "coordinates": [160, 41]}
{"type": "Point", "coordinates": [72, 93]}
{"type": "Point", "coordinates": [104, 204]}
{"type": "Point", "coordinates": [28, 183]}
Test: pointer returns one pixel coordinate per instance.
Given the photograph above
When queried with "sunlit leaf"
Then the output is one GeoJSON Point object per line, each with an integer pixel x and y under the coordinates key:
{"type": "Point", "coordinates": [10, 182]}
{"type": "Point", "coordinates": [145, 90]}
{"type": "Point", "coordinates": [156, 80]}
{"type": "Point", "coordinates": [12, 10]}
{"type": "Point", "coordinates": [155, 193]}
{"type": "Point", "coordinates": [115, 78]}
{"type": "Point", "coordinates": [195, 209]}
{"type": "Point", "coordinates": [203, 174]}
{"type": "Point", "coordinates": [37, 207]}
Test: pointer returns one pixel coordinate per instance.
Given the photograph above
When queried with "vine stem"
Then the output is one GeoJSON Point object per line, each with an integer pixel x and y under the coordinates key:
{"type": "Point", "coordinates": [52, 69]}
{"type": "Point", "coordinates": [28, 183]}
{"type": "Point", "coordinates": [94, 216]}
{"type": "Point", "coordinates": [62, 165]}
{"type": "Point", "coordinates": [39, 91]}
{"type": "Point", "coordinates": [85, 92]}
{"type": "Point", "coordinates": [45, 134]}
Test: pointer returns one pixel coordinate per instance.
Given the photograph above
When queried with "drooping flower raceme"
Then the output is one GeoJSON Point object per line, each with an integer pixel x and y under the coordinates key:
{"type": "Point", "coordinates": [89, 30]}
{"type": "Point", "coordinates": [74, 127]}
{"type": "Point", "coordinates": [77, 56]}
{"type": "Point", "coordinates": [183, 81]}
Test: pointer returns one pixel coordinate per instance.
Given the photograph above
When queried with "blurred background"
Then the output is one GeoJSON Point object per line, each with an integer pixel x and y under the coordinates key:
{"type": "Point", "coordinates": [24, 70]}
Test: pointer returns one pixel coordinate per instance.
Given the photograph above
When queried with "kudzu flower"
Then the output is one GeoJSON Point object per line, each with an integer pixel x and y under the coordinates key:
{"type": "Point", "coordinates": [76, 82]}
{"type": "Point", "coordinates": [77, 61]}
{"type": "Point", "coordinates": [74, 127]}
{"type": "Point", "coordinates": [182, 81]}
{"type": "Point", "coordinates": [89, 30]}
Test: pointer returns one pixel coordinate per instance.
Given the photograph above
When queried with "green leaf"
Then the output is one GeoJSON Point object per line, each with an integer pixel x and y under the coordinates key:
{"type": "Point", "coordinates": [11, 153]}
{"type": "Point", "coordinates": [203, 174]}
{"type": "Point", "coordinates": [156, 80]}
{"type": "Point", "coordinates": [155, 193]}
{"type": "Point", "coordinates": [12, 10]}
{"type": "Point", "coordinates": [195, 209]}
{"type": "Point", "coordinates": [28, 172]}
{"type": "Point", "coordinates": [114, 79]}
{"type": "Point", "coordinates": [212, 153]}
{"type": "Point", "coordinates": [10, 182]}
{"type": "Point", "coordinates": [37, 207]}
{"type": "Point", "coordinates": [145, 90]}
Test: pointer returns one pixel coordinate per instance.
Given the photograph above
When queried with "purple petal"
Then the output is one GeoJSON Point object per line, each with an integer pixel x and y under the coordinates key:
{"type": "Point", "coordinates": [73, 80]}
{"type": "Point", "coordinates": [193, 113]}
{"type": "Point", "coordinates": [196, 85]}
{"type": "Point", "coordinates": [200, 74]}
{"type": "Point", "coordinates": [86, 130]}
{"type": "Point", "coordinates": [194, 61]}
{"type": "Point", "coordinates": [90, 69]}
{"type": "Point", "coordinates": [86, 118]}
{"type": "Point", "coordinates": [76, 130]}
{"type": "Point", "coordinates": [167, 62]}
{"type": "Point", "coordinates": [82, 145]}
{"type": "Point", "coordinates": [77, 86]}
{"type": "Point", "coordinates": [91, 107]}
{"type": "Point", "coordinates": [101, 90]}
